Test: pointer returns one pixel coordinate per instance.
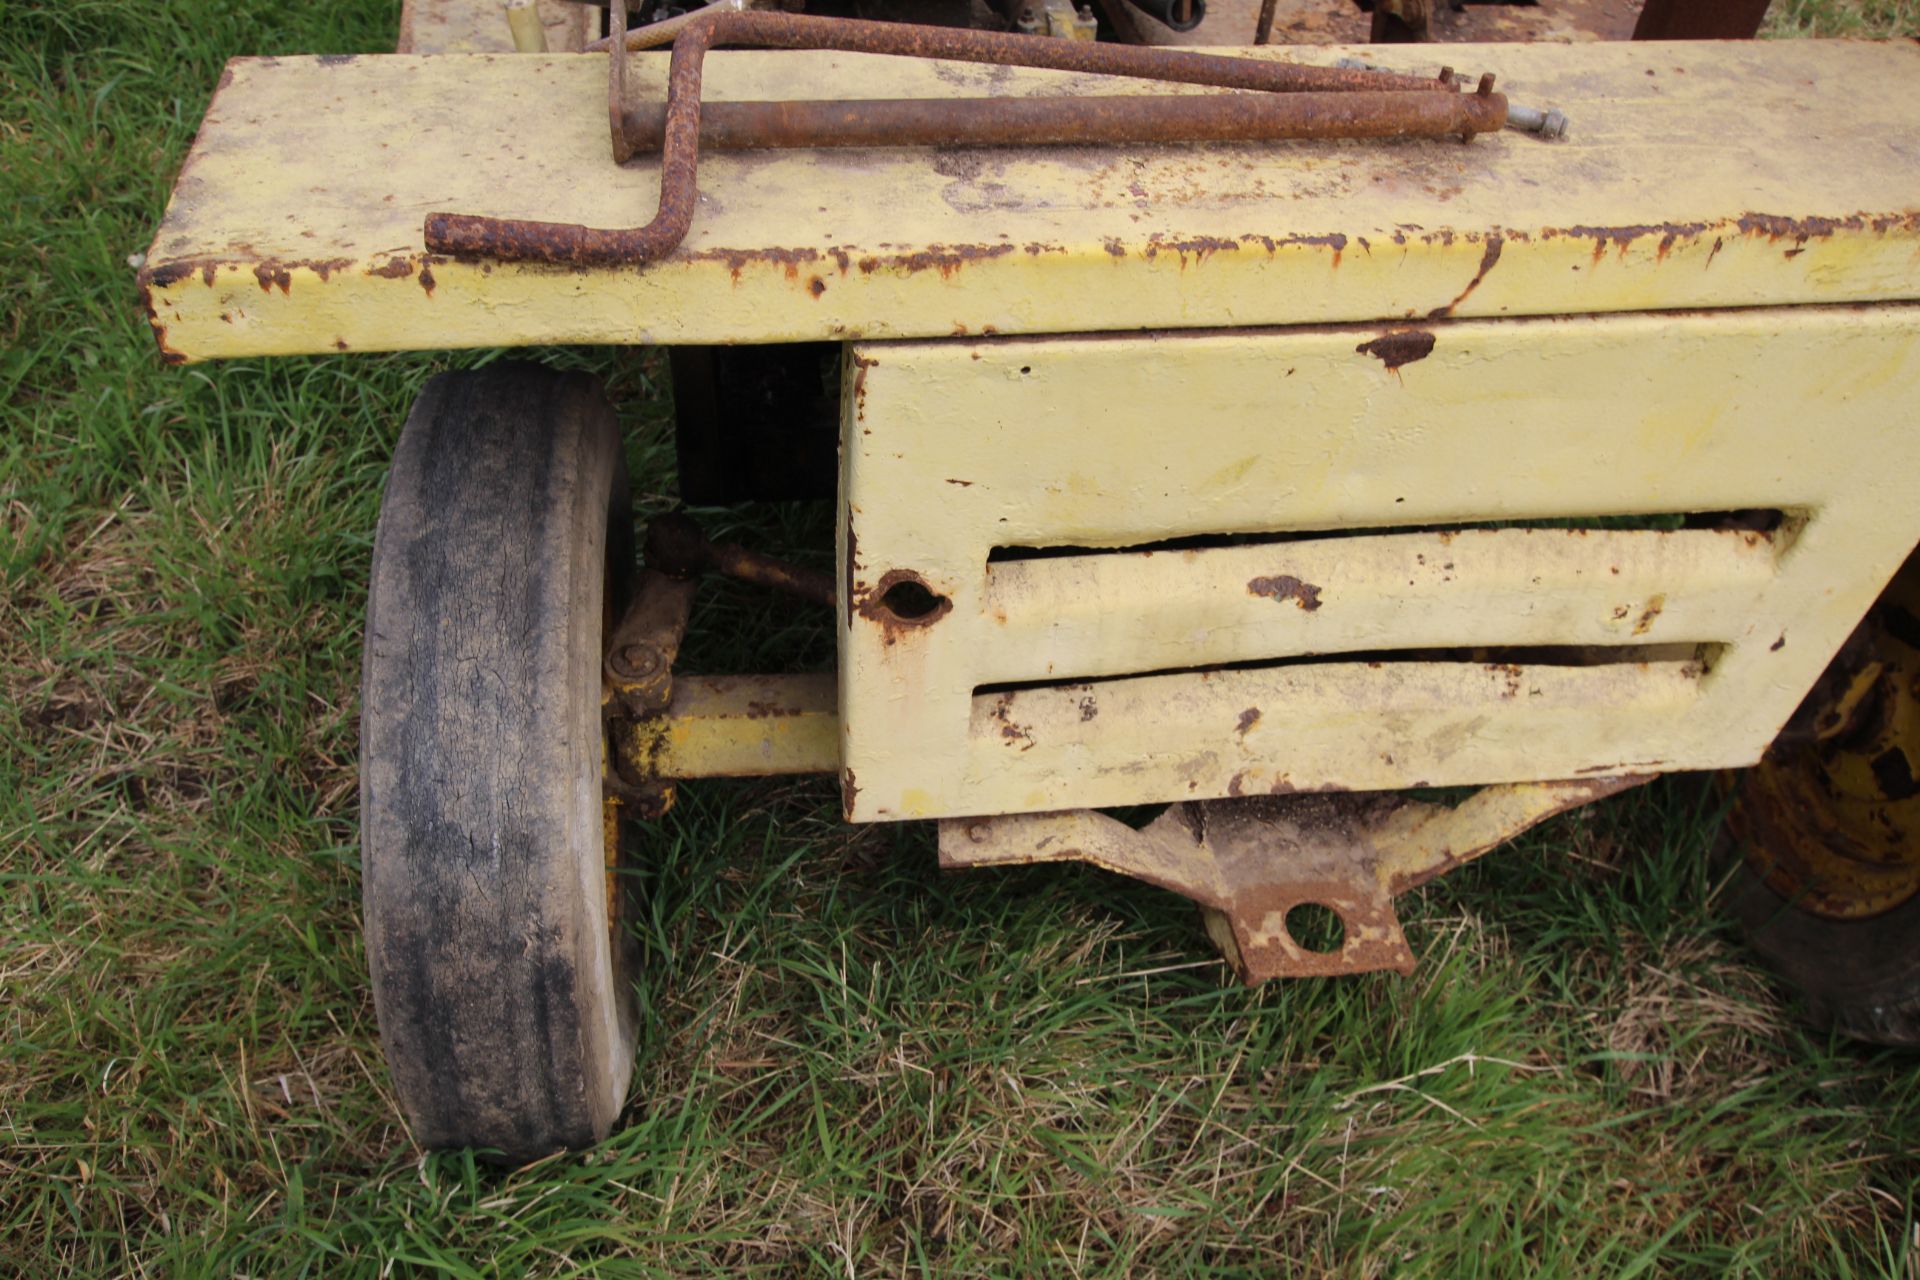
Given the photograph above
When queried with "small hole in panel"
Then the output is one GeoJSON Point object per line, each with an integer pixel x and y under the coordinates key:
{"type": "Point", "coordinates": [1316, 927]}
{"type": "Point", "coordinates": [908, 600]}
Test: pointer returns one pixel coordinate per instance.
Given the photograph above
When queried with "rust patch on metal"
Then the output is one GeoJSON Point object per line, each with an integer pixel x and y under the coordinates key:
{"type": "Point", "coordinates": [167, 274]}
{"type": "Point", "coordinates": [270, 274]}
{"type": "Point", "coordinates": [851, 569]}
{"type": "Point", "coordinates": [849, 792]}
{"type": "Point", "coordinates": [1248, 718]}
{"type": "Point", "coordinates": [1644, 623]}
{"type": "Point", "coordinates": [398, 269]}
{"type": "Point", "coordinates": [1489, 256]}
{"type": "Point", "coordinates": [1513, 678]}
{"type": "Point", "coordinates": [167, 354]}
{"type": "Point", "coordinates": [1284, 586]}
{"type": "Point", "coordinates": [1402, 346]}
{"type": "Point", "coordinates": [873, 605]}
{"type": "Point", "coordinates": [676, 545]}
{"type": "Point", "coordinates": [789, 261]}
{"type": "Point", "coordinates": [1009, 730]}
{"type": "Point", "coordinates": [1771, 227]}
{"type": "Point", "coordinates": [426, 278]}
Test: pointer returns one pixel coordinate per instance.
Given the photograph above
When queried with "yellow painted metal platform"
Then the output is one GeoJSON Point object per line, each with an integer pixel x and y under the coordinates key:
{"type": "Point", "coordinates": [1697, 176]}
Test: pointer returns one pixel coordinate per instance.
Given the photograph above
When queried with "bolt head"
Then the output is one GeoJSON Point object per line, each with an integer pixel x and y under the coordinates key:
{"type": "Point", "coordinates": [1555, 124]}
{"type": "Point", "coordinates": [640, 659]}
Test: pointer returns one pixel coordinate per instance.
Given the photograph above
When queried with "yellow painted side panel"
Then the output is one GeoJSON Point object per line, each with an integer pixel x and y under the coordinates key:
{"type": "Point", "coordinates": [1350, 726]}
{"type": "Point", "coordinates": [1055, 616]}
{"type": "Point", "coordinates": [954, 449]}
{"type": "Point", "coordinates": [1697, 175]}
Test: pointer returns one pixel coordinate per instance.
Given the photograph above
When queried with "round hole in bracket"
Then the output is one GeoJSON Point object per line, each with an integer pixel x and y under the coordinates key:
{"type": "Point", "coordinates": [908, 599]}
{"type": "Point", "coordinates": [1316, 927]}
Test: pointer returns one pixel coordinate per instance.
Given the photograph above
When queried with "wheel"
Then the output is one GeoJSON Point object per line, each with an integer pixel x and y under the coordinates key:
{"type": "Point", "coordinates": [1829, 826]}
{"type": "Point", "coordinates": [501, 969]}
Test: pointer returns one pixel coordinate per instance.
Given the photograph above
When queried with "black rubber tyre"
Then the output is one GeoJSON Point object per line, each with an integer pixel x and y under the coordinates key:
{"type": "Point", "coordinates": [1828, 890]}
{"type": "Point", "coordinates": [501, 973]}
{"type": "Point", "coordinates": [1858, 977]}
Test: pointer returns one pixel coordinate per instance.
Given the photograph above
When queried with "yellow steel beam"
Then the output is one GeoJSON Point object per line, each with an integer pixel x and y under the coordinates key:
{"type": "Point", "coordinates": [1697, 175]}
{"type": "Point", "coordinates": [739, 727]}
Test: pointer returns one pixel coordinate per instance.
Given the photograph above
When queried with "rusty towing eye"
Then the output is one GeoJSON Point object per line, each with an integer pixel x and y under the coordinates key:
{"type": "Point", "coordinates": [1290, 101]}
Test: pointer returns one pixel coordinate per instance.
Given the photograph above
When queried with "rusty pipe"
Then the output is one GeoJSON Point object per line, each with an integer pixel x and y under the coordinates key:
{"type": "Point", "coordinates": [676, 546]}
{"type": "Point", "coordinates": [1263, 28]}
{"type": "Point", "coordinates": [1007, 49]}
{"type": "Point", "coordinates": [942, 122]}
{"type": "Point", "coordinates": [574, 245]}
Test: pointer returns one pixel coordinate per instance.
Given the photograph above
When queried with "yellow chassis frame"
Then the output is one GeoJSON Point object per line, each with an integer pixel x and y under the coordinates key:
{"type": "Point", "coordinates": [1433, 418]}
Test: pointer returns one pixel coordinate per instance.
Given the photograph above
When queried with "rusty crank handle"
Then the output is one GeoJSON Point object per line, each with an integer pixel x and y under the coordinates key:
{"type": "Point", "coordinates": [1316, 102]}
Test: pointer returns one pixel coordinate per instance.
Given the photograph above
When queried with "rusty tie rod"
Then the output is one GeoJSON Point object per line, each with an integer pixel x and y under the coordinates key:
{"type": "Point", "coordinates": [1318, 102]}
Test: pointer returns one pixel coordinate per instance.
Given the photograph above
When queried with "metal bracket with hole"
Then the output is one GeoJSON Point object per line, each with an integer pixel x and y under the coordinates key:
{"type": "Point", "coordinates": [1250, 862]}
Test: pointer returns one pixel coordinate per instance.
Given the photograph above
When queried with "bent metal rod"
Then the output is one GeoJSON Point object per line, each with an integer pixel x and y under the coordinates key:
{"type": "Point", "coordinates": [1289, 101]}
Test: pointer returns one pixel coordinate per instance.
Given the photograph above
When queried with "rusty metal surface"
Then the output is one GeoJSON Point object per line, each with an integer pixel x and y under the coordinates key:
{"type": "Point", "coordinates": [1263, 26]}
{"type": "Point", "coordinates": [996, 48]}
{"type": "Point", "coordinates": [1250, 862]}
{"type": "Point", "coordinates": [1700, 20]}
{"type": "Point", "coordinates": [1401, 21]}
{"type": "Point", "coordinates": [935, 122]}
{"type": "Point", "coordinates": [676, 546]}
{"type": "Point", "coordinates": [570, 244]}
{"type": "Point", "coordinates": [1323, 22]}
{"type": "Point", "coordinates": [641, 650]}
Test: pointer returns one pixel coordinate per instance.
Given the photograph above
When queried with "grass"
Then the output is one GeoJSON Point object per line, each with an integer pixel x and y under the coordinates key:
{"type": "Point", "coordinates": [852, 1064]}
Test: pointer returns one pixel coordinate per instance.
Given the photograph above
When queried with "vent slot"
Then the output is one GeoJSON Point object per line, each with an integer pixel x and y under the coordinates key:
{"type": "Point", "coordinates": [1508, 659]}
{"type": "Point", "coordinates": [1770, 521]}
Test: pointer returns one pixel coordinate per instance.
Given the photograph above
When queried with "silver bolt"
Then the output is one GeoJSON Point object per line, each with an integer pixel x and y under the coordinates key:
{"type": "Point", "coordinates": [1551, 123]}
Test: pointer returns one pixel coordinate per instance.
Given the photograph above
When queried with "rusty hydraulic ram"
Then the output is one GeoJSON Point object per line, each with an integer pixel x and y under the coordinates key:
{"type": "Point", "coordinates": [941, 122]}
{"type": "Point", "coordinates": [1385, 105]}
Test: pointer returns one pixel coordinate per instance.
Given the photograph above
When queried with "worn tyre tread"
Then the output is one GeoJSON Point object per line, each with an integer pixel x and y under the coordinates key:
{"type": "Point", "coordinates": [504, 1021]}
{"type": "Point", "coordinates": [1860, 978]}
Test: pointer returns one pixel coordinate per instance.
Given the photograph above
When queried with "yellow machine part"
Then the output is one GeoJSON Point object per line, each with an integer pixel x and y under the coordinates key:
{"type": "Point", "coordinates": [1017, 635]}
{"type": "Point", "coordinates": [1831, 818]}
{"type": "Point", "coordinates": [1702, 175]}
